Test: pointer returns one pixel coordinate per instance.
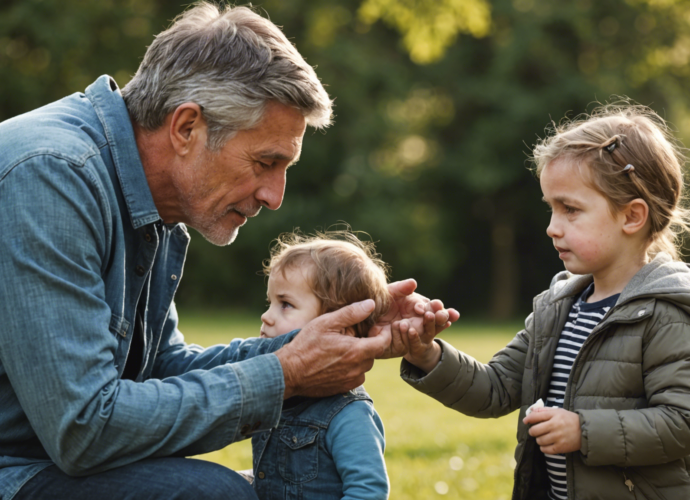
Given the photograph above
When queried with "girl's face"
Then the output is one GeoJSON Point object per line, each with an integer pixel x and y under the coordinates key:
{"type": "Point", "coordinates": [291, 303]}
{"type": "Point", "coordinates": [588, 238]}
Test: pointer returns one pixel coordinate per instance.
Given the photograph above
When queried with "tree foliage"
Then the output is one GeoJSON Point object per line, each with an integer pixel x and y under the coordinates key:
{"type": "Point", "coordinates": [437, 105]}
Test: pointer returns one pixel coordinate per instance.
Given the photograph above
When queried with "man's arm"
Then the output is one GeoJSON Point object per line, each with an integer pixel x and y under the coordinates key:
{"type": "Point", "coordinates": [176, 357]}
{"type": "Point", "coordinates": [58, 351]}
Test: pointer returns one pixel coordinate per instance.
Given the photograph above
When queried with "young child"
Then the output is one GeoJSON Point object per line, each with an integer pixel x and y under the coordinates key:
{"type": "Point", "coordinates": [325, 448]}
{"type": "Point", "coordinates": [607, 346]}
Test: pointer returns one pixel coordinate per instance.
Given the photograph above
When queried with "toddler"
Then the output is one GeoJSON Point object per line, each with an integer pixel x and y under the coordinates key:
{"type": "Point", "coordinates": [607, 346]}
{"type": "Point", "coordinates": [322, 448]}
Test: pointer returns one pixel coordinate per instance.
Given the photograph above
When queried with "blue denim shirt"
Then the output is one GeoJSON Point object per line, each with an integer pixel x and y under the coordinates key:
{"type": "Point", "coordinates": [329, 448]}
{"type": "Point", "coordinates": [81, 245]}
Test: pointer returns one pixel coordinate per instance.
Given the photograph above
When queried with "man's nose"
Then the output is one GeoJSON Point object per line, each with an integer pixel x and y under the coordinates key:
{"type": "Point", "coordinates": [271, 193]}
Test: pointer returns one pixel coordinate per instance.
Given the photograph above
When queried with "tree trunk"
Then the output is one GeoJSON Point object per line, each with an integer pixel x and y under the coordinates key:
{"type": "Point", "coordinates": [504, 269]}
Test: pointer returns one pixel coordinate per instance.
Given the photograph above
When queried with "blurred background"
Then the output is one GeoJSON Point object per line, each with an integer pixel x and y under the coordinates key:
{"type": "Point", "coordinates": [438, 103]}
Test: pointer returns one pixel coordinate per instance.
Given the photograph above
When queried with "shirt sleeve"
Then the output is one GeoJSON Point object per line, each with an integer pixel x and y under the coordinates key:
{"type": "Point", "coordinates": [485, 390]}
{"type": "Point", "coordinates": [58, 377]}
{"type": "Point", "coordinates": [175, 357]}
{"type": "Point", "coordinates": [355, 439]}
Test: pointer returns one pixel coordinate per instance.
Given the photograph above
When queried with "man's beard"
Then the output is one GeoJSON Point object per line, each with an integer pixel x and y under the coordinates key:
{"type": "Point", "coordinates": [210, 226]}
{"type": "Point", "coordinates": [214, 232]}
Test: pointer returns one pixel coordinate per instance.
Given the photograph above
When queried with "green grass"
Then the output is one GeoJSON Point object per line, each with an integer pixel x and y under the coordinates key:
{"type": "Point", "coordinates": [431, 451]}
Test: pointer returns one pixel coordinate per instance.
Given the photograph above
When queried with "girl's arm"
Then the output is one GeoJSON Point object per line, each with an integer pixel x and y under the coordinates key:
{"type": "Point", "coordinates": [355, 440]}
{"type": "Point", "coordinates": [473, 388]}
{"type": "Point", "coordinates": [653, 435]}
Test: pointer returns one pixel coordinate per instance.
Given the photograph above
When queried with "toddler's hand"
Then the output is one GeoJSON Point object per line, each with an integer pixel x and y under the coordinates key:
{"type": "Point", "coordinates": [557, 430]}
{"type": "Point", "coordinates": [422, 351]}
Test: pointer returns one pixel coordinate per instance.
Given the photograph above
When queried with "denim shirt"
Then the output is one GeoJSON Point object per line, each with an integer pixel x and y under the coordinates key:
{"type": "Point", "coordinates": [82, 247]}
{"type": "Point", "coordinates": [329, 448]}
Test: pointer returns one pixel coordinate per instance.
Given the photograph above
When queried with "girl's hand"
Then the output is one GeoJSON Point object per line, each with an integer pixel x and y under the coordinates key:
{"type": "Point", "coordinates": [422, 351]}
{"type": "Point", "coordinates": [557, 430]}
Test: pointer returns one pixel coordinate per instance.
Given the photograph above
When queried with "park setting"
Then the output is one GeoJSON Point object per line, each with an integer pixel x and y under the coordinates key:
{"type": "Point", "coordinates": [431, 451]}
{"type": "Point", "coordinates": [437, 107]}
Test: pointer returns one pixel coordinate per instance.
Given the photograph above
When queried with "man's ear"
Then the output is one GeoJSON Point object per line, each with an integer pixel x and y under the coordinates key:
{"type": "Point", "coordinates": [636, 214]}
{"type": "Point", "coordinates": [187, 128]}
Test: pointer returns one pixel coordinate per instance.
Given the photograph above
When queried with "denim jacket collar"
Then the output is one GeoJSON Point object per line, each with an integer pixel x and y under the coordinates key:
{"type": "Point", "coordinates": [106, 99]}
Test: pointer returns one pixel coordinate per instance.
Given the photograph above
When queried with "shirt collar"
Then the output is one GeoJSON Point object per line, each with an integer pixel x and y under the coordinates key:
{"type": "Point", "coordinates": [107, 101]}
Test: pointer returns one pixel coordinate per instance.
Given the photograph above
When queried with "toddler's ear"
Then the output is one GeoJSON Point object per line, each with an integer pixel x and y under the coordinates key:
{"type": "Point", "coordinates": [636, 214]}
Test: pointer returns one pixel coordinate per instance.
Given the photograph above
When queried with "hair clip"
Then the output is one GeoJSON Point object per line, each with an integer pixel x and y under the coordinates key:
{"type": "Point", "coordinates": [628, 168]}
{"type": "Point", "coordinates": [611, 146]}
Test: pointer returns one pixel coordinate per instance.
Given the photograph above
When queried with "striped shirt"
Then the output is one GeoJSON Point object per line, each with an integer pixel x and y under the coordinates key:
{"type": "Point", "coordinates": [581, 321]}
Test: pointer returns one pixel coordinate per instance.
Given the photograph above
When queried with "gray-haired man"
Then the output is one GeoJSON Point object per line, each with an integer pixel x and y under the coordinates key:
{"type": "Point", "coordinates": [99, 394]}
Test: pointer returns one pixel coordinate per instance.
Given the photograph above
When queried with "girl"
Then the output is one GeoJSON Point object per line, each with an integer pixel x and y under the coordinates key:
{"type": "Point", "coordinates": [327, 448]}
{"type": "Point", "coordinates": [608, 344]}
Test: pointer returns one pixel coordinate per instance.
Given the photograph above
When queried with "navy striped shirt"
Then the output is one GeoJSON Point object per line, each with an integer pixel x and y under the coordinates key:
{"type": "Point", "coordinates": [581, 321]}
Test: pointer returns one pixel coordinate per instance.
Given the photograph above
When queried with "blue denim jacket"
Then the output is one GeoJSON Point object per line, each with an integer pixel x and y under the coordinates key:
{"type": "Point", "coordinates": [81, 245]}
{"type": "Point", "coordinates": [326, 449]}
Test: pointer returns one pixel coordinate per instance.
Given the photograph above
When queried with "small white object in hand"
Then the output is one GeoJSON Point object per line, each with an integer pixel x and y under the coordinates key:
{"type": "Point", "coordinates": [538, 404]}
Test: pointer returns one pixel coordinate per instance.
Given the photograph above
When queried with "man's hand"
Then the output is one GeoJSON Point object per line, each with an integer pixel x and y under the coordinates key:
{"type": "Point", "coordinates": [557, 430]}
{"type": "Point", "coordinates": [323, 359]}
{"type": "Point", "coordinates": [420, 313]}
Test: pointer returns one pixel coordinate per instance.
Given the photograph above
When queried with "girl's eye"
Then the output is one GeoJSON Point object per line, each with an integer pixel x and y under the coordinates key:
{"type": "Point", "coordinates": [286, 305]}
{"type": "Point", "coordinates": [570, 210]}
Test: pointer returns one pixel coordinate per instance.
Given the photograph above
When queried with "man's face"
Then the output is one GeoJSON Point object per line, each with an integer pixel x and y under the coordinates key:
{"type": "Point", "coordinates": [219, 190]}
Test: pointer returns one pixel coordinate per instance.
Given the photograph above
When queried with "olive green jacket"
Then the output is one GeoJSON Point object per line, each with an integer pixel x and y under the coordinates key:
{"type": "Point", "coordinates": [630, 384]}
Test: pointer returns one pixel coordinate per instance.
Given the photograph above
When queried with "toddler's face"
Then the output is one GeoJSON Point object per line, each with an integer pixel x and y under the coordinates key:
{"type": "Point", "coordinates": [588, 238]}
{"type": "Point", "coordinates": [291, 303]}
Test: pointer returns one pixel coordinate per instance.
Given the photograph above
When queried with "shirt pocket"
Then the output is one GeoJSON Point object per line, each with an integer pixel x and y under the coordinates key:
{"type": "Point", "coordinates": [298, 453]}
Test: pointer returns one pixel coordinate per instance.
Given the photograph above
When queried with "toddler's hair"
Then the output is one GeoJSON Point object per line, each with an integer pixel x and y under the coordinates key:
{"type": "Point", "coordinates": [339, 268]}
{"type": "Point", "coordinates": [610, 139]}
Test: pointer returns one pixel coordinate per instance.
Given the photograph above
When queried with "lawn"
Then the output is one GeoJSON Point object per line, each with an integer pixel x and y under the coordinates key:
{"type": "Point", "coordinates": [431, 451]}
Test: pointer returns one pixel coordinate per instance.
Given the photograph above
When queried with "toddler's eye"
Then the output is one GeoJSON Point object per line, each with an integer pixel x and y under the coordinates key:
{"type": "Point", "coordinates": [286, 305]}
{"type": "Point", "coordinates": [570, 210]}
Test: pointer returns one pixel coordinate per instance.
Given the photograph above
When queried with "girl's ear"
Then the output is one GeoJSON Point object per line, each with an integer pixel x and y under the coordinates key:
{"type": "Point", "coordinates": [636, 214]}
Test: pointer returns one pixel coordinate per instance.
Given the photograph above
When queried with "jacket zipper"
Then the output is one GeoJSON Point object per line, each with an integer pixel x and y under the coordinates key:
{"type": "Point", "coordinates": [603, 325]}
{"type": "Point", "coordinates": [630, 485]}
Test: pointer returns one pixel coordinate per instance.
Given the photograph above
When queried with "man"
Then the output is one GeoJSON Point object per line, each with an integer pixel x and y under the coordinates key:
{"type": "Point", "coordinates": [98, 391]}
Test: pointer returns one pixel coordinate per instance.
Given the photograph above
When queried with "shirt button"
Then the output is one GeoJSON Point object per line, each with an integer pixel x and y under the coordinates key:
{"type": "Point", "coordinates": [140, 270]}
{"type": "Point", "coordinates": [173, 277]}
{"type": "Point", "coordinates": [294, 439]}
{"type": "Point", "coordinates": [262, 475]}
{"type": "Point", "coordinates": [147, 237]}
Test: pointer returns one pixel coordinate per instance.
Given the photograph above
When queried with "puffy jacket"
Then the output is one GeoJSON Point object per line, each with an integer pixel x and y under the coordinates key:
{"type": "Point", "coordinates": [630, 385]}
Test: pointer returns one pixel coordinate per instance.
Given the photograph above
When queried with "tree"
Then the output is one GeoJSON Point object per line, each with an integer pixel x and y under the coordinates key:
{"type": "Point", "coordinates": [437, 105]}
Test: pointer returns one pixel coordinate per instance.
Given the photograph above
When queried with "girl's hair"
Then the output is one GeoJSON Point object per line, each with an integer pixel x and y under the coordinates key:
{"type": "Point", "coordinates": [611, 139]}
{"type": "Point", "coordinates": [339, 268]}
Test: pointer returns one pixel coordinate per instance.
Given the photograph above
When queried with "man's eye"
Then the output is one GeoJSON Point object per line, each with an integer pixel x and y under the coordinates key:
{"type": "Point", "coordinates": [264, 165]}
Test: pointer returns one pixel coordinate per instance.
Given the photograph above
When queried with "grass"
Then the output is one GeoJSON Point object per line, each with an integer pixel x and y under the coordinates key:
{"type": "Point", "coordinates": [431, 451]}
